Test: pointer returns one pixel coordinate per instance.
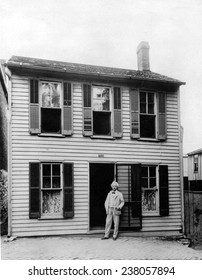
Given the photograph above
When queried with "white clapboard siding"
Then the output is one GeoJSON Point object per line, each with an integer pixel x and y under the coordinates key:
{"type": "Point", "coordinates": [82, 150]}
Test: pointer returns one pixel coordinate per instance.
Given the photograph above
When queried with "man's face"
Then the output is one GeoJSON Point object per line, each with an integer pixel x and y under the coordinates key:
{"type": "Point", "coordinates": [114, 188]}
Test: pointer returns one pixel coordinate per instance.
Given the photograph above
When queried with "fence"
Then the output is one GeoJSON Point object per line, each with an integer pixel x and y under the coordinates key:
{"type": "Point", "coordinates": [193, 215]}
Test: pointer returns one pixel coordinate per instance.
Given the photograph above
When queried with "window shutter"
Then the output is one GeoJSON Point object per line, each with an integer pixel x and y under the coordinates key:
{"type": "Point", "coordinates": [67, 109]}
{"type": "Point", "coordinates": [117, 112]}
{"type": "Point", "coordinates": [163, 190]}
{"type": "Point", "coordinates": [34, 190]}
{"type": "Point", "coordinates": [87, 110]}
{"type": "Point", "coordinates": [34, 107]}
{"type": "Point", "coordinates": [134, 106]}
{"type": "Point", "coordinates": [162, 116]}
{"type": "Point", "coordinates": [136, 193]}
{"type": "Point", "coordinates": [68, 203]}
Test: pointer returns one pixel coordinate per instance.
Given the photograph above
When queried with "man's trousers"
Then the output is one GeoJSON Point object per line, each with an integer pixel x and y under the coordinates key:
{"type": "Point", "coordinates": [112, 217]}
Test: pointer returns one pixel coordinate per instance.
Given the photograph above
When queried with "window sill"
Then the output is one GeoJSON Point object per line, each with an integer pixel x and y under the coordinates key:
{"type": "Point", "coordinates": [146, 215]}
{"type": "Point", "coordinates": [51, 218]}
{"type": "Point", "coordinates": [148, 139]}
{"type": "Point", "coordinates": [102, 137]}
{"type": "Point", "coordinates": [51, 135]}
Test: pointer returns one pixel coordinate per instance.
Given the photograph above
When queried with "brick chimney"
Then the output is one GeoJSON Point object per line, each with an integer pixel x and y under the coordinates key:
{"type": "Point", "coordinates": [143, 56]}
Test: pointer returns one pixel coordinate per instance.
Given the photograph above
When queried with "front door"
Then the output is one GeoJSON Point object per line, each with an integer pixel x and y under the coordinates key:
{"type": "Point", "coordinates": [101, 177]}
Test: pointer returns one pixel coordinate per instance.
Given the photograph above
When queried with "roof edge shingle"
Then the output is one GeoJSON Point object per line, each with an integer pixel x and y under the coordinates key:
{"type": "Point", "coordinates": [86, 69]}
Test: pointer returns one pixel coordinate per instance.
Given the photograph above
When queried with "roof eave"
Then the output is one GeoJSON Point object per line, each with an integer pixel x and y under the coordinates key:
{"type": "Point", "coordinates": [14, 65]}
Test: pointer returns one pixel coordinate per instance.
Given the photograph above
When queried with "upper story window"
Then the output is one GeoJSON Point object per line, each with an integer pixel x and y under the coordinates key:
{"type": "Point", "coordinates": [102, 111]}
{"type": "Point", "coordinates": [148, 115]}
{"type": "Point", "coordinates": [195, 163]}
{"type": "Point", "coordinates": [50, 95]}
{"type": "Point", "coordinates": [50, 107]}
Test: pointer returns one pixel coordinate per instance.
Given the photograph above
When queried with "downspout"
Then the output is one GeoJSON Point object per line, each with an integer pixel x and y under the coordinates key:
{"type": "Point", "coordinates": [180, 129]}
{"type": "Point", "coordinates": [9, 135]}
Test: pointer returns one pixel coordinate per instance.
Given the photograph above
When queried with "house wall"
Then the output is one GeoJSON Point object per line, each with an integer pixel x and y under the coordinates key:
{"type": "Point", "coordinates": [3, 130]}
{"type": "Point", "coordinates": [83, 150]}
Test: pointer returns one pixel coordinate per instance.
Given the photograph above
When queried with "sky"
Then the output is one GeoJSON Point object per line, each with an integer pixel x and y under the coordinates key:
{"type": "Point", "coordinates": [107, 33]}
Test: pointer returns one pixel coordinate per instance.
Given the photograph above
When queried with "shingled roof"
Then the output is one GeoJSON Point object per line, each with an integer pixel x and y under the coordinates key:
{"type": "Point", "coordinates": [85, 69]}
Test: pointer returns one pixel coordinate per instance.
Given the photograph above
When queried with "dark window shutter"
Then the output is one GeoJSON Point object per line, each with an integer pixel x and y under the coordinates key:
{"type": "Point", "coordinates": [163, 190]}
{"type": "Point", "coordinates": [87, 110]}
{"type": "Point", "coordinates": [134, 106]}
{"type": "Point", "coordinates": [136, 195]}
{"type": "Point", "coordinates": [67, 109]}
{"type": "Point", "coordinates": [162, 116]}
{"type": "Point", "coordinates": [34, 107]}
{"type": "Point", "coordinates": [117, 112]}
{"type": "Point", "coordinates": [68, 203]}
{"type": "Point", "coordinates": [34, 190]}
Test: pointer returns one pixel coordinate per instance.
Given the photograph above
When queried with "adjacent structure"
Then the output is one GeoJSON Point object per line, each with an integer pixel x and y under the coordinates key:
{"type": "Point", "coordinates": [75, 128]}
{"type": "Point", "coordinates": [193, 170]}
{"type": "Point", "coordinates": [3, 117]}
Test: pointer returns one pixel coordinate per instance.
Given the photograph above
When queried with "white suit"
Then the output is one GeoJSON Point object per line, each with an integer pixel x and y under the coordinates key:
{"type": "Point", "coordinates": [113, 202]}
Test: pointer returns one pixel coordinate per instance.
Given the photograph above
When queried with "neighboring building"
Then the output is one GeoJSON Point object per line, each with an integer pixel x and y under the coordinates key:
{"type": "Point", "coordinates": [194, 170]}
{"type": "Point", "coordinates": [3, 117]}
{"type": "Point", "coordinates": [75, 128]}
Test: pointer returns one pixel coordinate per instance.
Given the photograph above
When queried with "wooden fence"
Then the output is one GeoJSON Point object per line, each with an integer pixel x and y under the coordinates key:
{"type": "Point", "coordinates": [193, 215]}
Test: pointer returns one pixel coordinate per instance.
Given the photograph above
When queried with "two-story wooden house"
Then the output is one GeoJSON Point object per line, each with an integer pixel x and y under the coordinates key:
{"type": "Point", "coordinates": [74, 129]}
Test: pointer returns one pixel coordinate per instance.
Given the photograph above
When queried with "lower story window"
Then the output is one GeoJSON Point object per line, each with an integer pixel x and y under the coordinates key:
{"type": "Point", "coordinates": [51, 189]}
{"type": "Point", "coordinates": [150, 194]}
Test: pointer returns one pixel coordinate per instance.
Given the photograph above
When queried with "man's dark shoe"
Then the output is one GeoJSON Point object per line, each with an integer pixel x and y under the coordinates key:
{"type": "Point", "coordinates": [114, 238]}
{"type": "Point", "coordinates": [104, 237]}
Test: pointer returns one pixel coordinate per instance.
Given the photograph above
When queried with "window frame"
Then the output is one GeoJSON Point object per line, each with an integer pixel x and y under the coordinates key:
{"type": "Point", "coordinates": [147, 114]}
{"type": "Point", "coordinates": [51, 215]}
{"type": "Point", "coordinates": [157, 190]}
{"type": "Point", "coordinates": [110, 111]}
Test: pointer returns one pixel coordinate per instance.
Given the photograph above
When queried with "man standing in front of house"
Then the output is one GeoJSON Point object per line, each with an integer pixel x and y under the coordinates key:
{"type": "Point", "coordinates": [113, 205]}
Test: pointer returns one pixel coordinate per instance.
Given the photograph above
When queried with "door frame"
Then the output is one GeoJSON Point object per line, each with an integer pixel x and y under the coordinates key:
{"type": "Point", "coordinates": [96, 162]}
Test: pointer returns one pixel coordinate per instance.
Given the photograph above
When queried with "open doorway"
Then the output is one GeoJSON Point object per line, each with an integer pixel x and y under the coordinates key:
{"type": "Point", "coordinates": [101, 177]}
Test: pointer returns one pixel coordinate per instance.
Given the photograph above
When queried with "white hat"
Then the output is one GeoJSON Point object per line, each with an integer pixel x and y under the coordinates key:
{"type": "Point", "coordinates": [115, 184]}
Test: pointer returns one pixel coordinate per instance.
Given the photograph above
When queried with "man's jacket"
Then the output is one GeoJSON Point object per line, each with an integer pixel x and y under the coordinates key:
{"type": "Point", "coordinates": [119, 201]}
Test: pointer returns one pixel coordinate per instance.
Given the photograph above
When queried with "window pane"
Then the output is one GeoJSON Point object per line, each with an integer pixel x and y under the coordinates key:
{"type": "Point", "coordinates": [101, 99]}
{"type": "Point", "coordinates": [150, 103]}
{"type": "Point", "coordinates": [144, 183]}
{"type": "Point", "coordinates": [101, 123]}
{"type": "Point", "coordinates": [147, 126]}
{"type": "Point", "coordinates": [152, 171]}
{"type": "Point", "coordinates": [144, 171]}
{"type": "Point", "coordinates": [50, 120]}
{"type": "Point", "coordinates": [51, 202]}
{"type": "Point", "coordinates": [46, 182]}
{"type": "Point", "coordinates": [56, 169]}
{"type": "Point", "coordinates": [143, 102]}
{"type": "Point", "coordinates": [56, 182]}
{"type": "Point", "coordinates": [149, 200]}
{"type": "Point", "coordinates": [152, 182]}
{"type": "Point", "coordinates": [46, 169]}
{"type": "Point", "coordinates": [50, 94]}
